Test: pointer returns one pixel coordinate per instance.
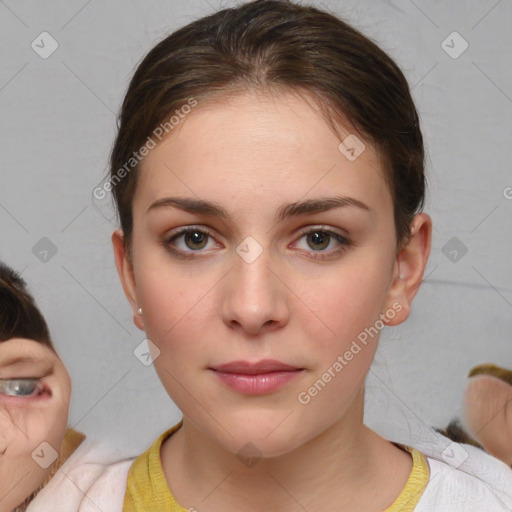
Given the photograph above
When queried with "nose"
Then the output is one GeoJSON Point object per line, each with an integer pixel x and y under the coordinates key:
{"type": "Point", "coordinates": [256, 299]}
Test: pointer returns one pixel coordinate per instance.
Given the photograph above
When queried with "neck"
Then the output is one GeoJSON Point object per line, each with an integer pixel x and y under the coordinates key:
{"type": "Point", "coordinates": [338, 470]}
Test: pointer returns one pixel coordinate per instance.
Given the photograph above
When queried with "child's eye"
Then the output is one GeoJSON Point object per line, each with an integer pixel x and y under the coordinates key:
{"type": "Point", "coordinates": [20, 387]}
{"type": "Point", "coordinates": [318, 239]}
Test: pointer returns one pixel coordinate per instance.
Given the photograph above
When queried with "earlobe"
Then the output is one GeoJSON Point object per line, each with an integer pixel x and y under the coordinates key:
{"type": "Point", "coordinates": [409, 268]}
{"type": "Point", "coordinates": [125, 270]}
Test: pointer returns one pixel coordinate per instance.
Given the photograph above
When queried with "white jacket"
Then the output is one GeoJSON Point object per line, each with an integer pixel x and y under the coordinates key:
{"type": "Point", "coordinates": [92, 479]}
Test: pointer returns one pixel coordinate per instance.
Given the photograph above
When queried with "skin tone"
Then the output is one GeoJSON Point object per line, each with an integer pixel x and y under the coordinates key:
{"type": "Point", "coordinates": [31, 412]}
{"type": "Point", "coordinates": [488, 403]}
{"type": "Point", "coordinates": [302, 301]}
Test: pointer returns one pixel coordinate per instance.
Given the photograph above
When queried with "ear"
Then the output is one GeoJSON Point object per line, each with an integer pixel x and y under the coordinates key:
{"type": "Point", "coordinates": [408, 270]}
{"type": "Point", "coordinates": [125, 270]}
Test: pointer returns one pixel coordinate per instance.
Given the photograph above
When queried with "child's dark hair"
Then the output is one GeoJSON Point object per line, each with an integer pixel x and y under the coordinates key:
{"type": "Point", "coordinates": [273, 46]}
{"type": "Point", "coordinates": [19, 315]}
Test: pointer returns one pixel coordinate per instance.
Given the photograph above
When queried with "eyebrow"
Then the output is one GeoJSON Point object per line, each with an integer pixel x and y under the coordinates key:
{"type": "Point", "coordinates": [310, 206]}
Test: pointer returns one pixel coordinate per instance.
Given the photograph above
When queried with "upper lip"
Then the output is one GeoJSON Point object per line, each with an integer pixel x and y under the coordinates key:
{"type": "Point", "coordinates": [248, 368]}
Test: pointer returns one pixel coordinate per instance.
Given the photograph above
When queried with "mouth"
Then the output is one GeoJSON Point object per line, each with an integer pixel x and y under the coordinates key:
{"type": "Point", "coordinates": [256, 378]}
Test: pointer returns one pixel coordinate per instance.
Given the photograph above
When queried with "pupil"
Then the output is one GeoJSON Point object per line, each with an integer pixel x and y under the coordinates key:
{"type": "Point", "coordinates": [319, 237]}
{"type": "Point", "coordinates": [24, 389]}
{"type": "Point", "coordinates": [19, 387]}
{"type": "Point", "coordinates": [196, 238]}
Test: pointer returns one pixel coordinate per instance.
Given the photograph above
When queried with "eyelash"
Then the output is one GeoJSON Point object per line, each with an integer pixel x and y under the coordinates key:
{"type": "Point", "coordinates": [344, 242]}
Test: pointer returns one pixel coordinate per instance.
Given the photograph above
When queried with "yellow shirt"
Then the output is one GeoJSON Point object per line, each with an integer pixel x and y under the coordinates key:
{"type": "Point", "coordinates": [147, 489]}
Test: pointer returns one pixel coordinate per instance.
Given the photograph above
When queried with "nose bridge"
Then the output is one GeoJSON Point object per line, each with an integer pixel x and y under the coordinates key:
{"type": "Point", "coordinates": [254, 276]}
{"type": "Point", "coordinates": [255, 297]}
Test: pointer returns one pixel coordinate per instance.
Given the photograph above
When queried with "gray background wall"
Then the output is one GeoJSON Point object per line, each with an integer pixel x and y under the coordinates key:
{"type": "Point", "coordinates": [57, 127]}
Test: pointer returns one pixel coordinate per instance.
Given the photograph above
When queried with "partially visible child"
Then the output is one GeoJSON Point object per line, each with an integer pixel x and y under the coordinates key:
{"type": "Point", "coordinates": [488, 409]}
{"type": "Point", "coordinates": [486, 420]}
{"type": "Point", "coordinates": [44, 467]}
{"type": "Point", "coordinates": [35, 390]}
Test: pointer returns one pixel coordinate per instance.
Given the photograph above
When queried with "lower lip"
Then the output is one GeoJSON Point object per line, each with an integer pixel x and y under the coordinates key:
{"type": "Point", "coordinates": [257, 384]}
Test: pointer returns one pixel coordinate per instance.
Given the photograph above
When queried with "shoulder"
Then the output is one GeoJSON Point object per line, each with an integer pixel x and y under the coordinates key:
{"type": "Point", "coordinates": [146, 483]}
{"type": "Point", "coordinates": [93, 469]}
{"type": "Point", "coordinates": [466, 479]}
{"type": "Point", "coordinates": [108, 490]}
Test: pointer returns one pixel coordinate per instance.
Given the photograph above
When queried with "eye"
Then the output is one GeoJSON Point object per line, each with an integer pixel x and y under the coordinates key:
{"type": "Point", "coordinates": [20, 387]}
{"type": "Point", "coordinates": [189, 240]}
{"type": "Point", "coordinates": [319, 238]}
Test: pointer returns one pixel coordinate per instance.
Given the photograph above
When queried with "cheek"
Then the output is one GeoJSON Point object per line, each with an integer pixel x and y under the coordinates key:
{"type": "Point", "coordinates": [22, 433]}
{"type": "Point", "coordinates": [344, 342]}
{"type": "Point", "coordinates": [178, 320]}
{"type": "Point", "coordinates": [346, 303]}
{"type": "Point", "coordinates": [24, 425]}
{"type": "Point", "coordinates": [6, 429]}
{"type": "Point", "coordinates": [170, 304]}
{"type": "Point", "coordinates": [56, 428]}
{"type": "Point", "coordinates": [25, 428]}
{"type": "Point", "coordinates": [174, 295]}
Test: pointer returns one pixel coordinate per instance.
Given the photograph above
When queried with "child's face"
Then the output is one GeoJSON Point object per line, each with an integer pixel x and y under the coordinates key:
{"type": "Point", "coordinates": [206, 303]}
{"type": "Point", "coordinates": [34, 400]}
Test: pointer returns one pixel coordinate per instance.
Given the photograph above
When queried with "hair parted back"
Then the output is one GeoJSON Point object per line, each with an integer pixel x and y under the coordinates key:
{"type": "Point", "coordinates": [19, 314]}
{"type": "Point", "coordinates": [276, 45]}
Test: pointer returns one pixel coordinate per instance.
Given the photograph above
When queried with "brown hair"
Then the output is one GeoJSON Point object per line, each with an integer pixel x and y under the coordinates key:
{"type": "Point", "coordinates": [275, 45]}
{"type": "Point", "coordinates": [19, 315]}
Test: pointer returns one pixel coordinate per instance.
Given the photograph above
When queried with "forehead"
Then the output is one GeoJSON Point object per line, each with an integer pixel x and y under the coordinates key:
{"type": "Point", "coordinates": [261, 146]}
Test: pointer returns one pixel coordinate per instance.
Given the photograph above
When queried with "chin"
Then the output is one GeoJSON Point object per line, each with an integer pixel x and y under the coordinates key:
{"type": "Point", "coordinates": [255, 436]}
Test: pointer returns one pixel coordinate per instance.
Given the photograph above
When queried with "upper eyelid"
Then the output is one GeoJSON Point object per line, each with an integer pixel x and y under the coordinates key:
{"type": "Point", "coordinates": [27, 369]}
{"type": "Point", "coordinates": [187, 229]}
{"type": "Point", "coordinates": [208, 231]}
{"type": "Point", "coordinates": [24, 375]}
{"type": "Point", "coordinates": [326, 229]}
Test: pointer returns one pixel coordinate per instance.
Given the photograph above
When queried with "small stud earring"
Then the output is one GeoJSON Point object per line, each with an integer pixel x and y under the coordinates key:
{"type": "Point", "coordinates": [139, 312]}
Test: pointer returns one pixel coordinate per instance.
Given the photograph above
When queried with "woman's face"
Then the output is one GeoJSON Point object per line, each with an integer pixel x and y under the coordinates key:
{"type": "Point", "coordinates": [290, 255]}
{"type": "Point", "coordinates": [35, 392]}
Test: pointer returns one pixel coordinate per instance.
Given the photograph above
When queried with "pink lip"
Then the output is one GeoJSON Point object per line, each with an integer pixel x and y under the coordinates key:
{"type": "Point", "coordinates": [248, 368]}
{"type": "Point", "coordinates": [256, 378]}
